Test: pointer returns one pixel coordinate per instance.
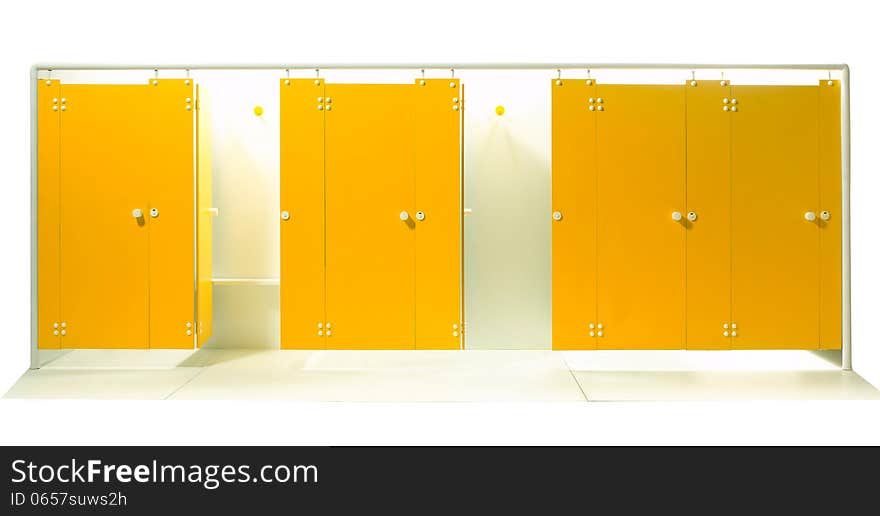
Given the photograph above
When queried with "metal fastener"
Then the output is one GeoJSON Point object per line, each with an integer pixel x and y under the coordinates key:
{"type": "Point", "coordinates": [726, 100]}
{"type": "Point", "coordinates": [54, 108]}
{"type": "Point", "coordinates": [693, 83]}
{"type": "Point", "coordinates": [320, 333]}
{"type": "Point", "coordinates": [591, 100]}
{"type": "Point", "coordinates": [733, 334]}
{"type": "Point", "coordinates": [63, 332]}
{"type": "Point", "coordinates": [55, 325]}
{"type": "Point", "coordinates": [601, 108]}
{"type": "Point", "coordinates": [592, 108]}
{"type": "Point", "coordinates": [557, 215]}
{"type": "Point", "coordinates": [320, 325]}
{"type": "Point", "coordinates": [328, 108]}
{"type": "Point", "coordinates": [422, 82]}
{"type": "Point", "coordinates": [589, 82]}
{"type": "Point", "coordinates": [452, 84]}
{"type": "Point", "coordinates": [317, 82]}
{"type": "Point", "coordinates": [734, 101]}
{"type": "Point", "coordinates": [186, 82]}
{"type": "Point", "coordinates": [558, 82]}
{"type": "Point", "coordinates": [320, 107]}
{"type": "Point", "coordinates": [188, 100]}
{"type": "Point", "coordinates": [48, 83]}
{"type": "Point", "coordinates": [455, 99]}
{"type": "Point", "coordinates": [329, 333]}
{"type": "Point", "coordinates": [189, 325]}
{"type": "Point", "coordinates": [287, 82]}
{"type": "Point", "coordinates": [592, 326]}
{"type": "Point", "coordinates": [600, 100]}
{"type": "Point", "coordinates": [600, 334]}
{"type": "Point", "coordinates": [455, 107]}
{"type": "Point", "coordinates": [455, 334]}
{"type": "Point", "coordinates": [285, 215]}
{"type": "Point", "coordinates": [328, 100]}
{"type": "Point", "coordinates": [723, 83]}
{"type": "Point", "coordinates": [155, 83]}
{"type": "Point", "coordinates": [733, 108]}
{"type": "Point", "coordinates": [64, 325]}
{"type": "Point", "coordinates": [329, 326]}
{"type": "Point", "coordinates": [454, 326]}
{"type": "Point", "coordinates": [63, 108]}
{"type": "Point", "coordinates": [189, 107]}
{"type": "Point", "coordinates": [320, 99]}
{"type": "Point", "coordinates": [726, 333]}
{"type": "Point", "coordinates": [592, 334]}
{"type": "Point", "coordinates": [56, 332]}
{"type": "Point", "coordinates": [725, 326]}
{"type": "Point", "coordinates": [189, 332]}
{"type": "Point", "coordinates": [830, 83]}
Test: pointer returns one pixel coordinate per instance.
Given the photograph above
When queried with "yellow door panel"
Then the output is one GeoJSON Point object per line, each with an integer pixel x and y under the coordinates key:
{"type": "Point", "coordinates": [48, 205]}
{"type": "Point", "coordinates": [302, 214]}
{"type": "Point", "coordinates": [438, 179]}
{"type": "Point", "coordinates": [708, 199]}
{"type": "Point", "coordinates": [369, 183]}
{"type": "Point", "coordinates": [830, 286]}
{"type": "Point", "coordinates": [775, 182]}
{"type": "Point", "coordinates": [170, 217]}
{"type": "Point", "coordinates": [104, 249]}
{"type": "Point", "coordinates": [205, 221]}
{"type": "Point", "coordinates": [574, 205]}
{"type": "Point", "coordinates": [641, 249]}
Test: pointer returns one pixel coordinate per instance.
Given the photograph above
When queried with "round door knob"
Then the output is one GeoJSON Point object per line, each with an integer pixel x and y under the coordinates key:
{"type": "Point", "coordinates": [285, 215]}
{"type": "Point", "coordinates": [692, 216]}
{"type": "Point", "coordinates": [676, 215]}
{"type": "Point", "coordinates": [420, 215]}
{"type": "Point", "coordinates": [404, 215]}
{"type": "Point", "coordinates": [154, 212]}
{"type": "Point", "coordinates": [557, 215]}
{"type": "Point", "coordinates": [137, 213]}
{"type": "Point", "coordinates": [810, 216]}
{"type": "Point", "coordinates": [825, 215]}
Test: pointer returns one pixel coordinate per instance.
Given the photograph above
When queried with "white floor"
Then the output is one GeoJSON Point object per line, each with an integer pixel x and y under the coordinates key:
{"type": "Point", "coordinates": [441, 376]}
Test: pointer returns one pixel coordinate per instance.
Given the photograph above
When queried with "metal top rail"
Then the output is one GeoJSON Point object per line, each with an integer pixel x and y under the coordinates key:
{"type": "Point", "coordinates": [439, 66]}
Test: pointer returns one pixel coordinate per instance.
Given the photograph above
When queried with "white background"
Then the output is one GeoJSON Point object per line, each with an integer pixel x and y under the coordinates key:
{"type": "Point", "coordinates": [670, 31]}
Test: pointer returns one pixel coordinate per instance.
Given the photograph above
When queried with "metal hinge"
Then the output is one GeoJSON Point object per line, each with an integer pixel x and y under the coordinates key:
{"type": "Point", "coordinates": [729, 329]}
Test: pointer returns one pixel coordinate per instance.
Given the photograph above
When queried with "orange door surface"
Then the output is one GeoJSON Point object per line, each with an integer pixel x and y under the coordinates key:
{"type": "Point", "coordinates": [438, 266]}
{"type": "Point", "coordinates": [170, 212]}
{"type": "Point", "coordinates": [708, 204]}
{"type": "Point", "coordinates": [104, 247]}
{"type": "Point", "coordinates": [370, 222]}
{"type": "Point", "coordinates": [48, 206]}
{"type": "Point", "coordinates": [830, 216]}
{"type": "Point", "coordinates": [641, 248]}
{"type": "Point", "coordinates": [574, 214]}
{"type": "Point", "coordinates": [302, 214]}
{"type": "Point", "coordinates": [775, 186]}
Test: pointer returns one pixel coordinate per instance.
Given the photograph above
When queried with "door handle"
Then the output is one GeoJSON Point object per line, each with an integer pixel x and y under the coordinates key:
{"type": "Point", "coordinates": [692, 216]}
{"type": "Point", "coordinates": [676, 216]}
{"type": "Point", "coordinates": [154, 212]}
{"type": "Point", "coordinates": [404, 215]}
{"type": "Point", "coordinates": [810, 216]}
{"type": "Point", "coordinates": [825, 215]}
{"type": "Point", "coordinates": [557, 215]}
{"type": "Point", "coordinates": [137, 213]}
{"type": "Point", "coordinates": [420, 215]}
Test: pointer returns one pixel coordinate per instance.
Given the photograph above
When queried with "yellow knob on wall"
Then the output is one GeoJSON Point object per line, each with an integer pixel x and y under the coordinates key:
{"type": "Point", "coordinates": [499, 110]}
{"type": "Point", "coordinates": [258, 110]}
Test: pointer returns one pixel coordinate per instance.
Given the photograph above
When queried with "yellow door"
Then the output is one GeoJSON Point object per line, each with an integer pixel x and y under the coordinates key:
{"type": "Point", "coordinates": [830, 287]}
{"type": "Point", "coordinates": [302, 214]}
{"type": "Point", "coordinates": [708, 204]}
{"type": "Point", "coordinates": [48, 205]}
{"type": "Point", "coordinates": [170, 211]}
{"type": "Point", "coordinates": [775, 187]}
{"type": "Point", "coordinates": [370, 222]}
{"type": "Point", "coordinates": [641, 248]}
{"type": "Point", "coordinates": [574, 214]}
{"type": "Point", "coordinates": [104, 248]}
{"type": "Point", "coordinates": [438, 175]}
{"type": "Point", "coordinates": [205, 219]}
